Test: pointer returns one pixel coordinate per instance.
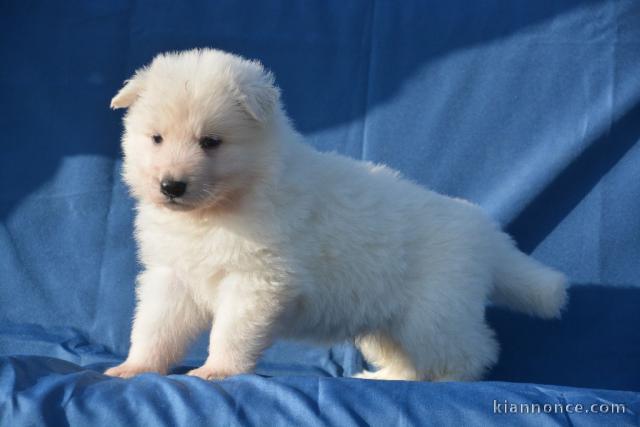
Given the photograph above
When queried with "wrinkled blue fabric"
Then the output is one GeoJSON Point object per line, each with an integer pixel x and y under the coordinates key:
{"type": "Point", "coordinates": [530, 109]}
{"type": "Point", "coordinates": [84, 397]}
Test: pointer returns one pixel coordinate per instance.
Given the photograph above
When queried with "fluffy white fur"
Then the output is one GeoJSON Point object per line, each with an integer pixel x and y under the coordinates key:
{"type": "Point", "coordinates": [273, 239]}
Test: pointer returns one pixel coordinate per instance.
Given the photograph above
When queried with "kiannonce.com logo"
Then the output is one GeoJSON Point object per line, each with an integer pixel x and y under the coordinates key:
{"type": "Point", "coordinates": [506, 407]}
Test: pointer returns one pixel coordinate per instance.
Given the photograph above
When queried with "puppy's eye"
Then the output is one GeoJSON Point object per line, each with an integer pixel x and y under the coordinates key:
{"type": "Point", "coordinates": [157, 139]}
{"type": "Point", "coordinates": [209, 142]}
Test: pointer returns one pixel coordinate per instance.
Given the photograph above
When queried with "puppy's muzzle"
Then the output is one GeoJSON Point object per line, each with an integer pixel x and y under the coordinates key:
{"type": "Point", "coordinates": [173, 189]}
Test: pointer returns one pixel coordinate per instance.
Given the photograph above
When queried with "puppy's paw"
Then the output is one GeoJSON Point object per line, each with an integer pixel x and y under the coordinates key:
{"type": "Point", "coordinates": [376, 375]}
{"type": "Point", "coordinates": [209, 373]}
{"type": "Point", "coordinates": [366, 375]}
{"type": "Point", "coordinates": [388, 375]}
{"type": "Point", "coordinates": [128, 370]}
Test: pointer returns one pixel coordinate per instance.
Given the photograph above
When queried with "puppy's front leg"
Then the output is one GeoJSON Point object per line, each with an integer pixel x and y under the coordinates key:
{"type": "Point", "coordinates": [166, 319]}
{"type": "Point", "coordinates": [246, 313]}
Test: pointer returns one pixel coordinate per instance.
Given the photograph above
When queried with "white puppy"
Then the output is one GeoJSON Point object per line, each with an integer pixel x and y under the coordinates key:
{"type": "Point", "coordinates": [245, 230]}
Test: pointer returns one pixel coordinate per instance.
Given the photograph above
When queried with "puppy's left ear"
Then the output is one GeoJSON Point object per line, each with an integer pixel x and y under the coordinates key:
{"type": "Point", "coordinates": [259, 96]}
{"type": "Point", "coordinates": [131, 90]}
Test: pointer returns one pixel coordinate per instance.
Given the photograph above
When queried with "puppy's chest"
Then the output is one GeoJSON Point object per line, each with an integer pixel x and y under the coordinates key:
{"type": "Point", "coordinates": [195, 254]}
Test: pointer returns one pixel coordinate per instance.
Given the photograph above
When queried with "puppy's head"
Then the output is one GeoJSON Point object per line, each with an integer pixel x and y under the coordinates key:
{"type": "Point", "coordinates": [197, 132]}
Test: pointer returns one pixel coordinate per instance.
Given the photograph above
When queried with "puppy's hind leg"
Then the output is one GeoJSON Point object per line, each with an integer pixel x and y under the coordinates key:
{"type": "Point", "coordinates": [385, 354]}
{"type": "Point", "coordinates": [450, 342]}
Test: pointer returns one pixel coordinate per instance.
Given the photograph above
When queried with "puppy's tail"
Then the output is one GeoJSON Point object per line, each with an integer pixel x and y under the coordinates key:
{"type": "Point", "coordinates": [524, 284]}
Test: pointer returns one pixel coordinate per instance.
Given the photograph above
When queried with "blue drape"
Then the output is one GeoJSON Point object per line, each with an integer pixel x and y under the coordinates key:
{"type": "Point", "coordinates": [528, 108]}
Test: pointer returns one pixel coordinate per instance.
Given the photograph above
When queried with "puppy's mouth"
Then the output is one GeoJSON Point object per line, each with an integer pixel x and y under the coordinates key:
{"type": "Point", "coordinates": [176, 204]}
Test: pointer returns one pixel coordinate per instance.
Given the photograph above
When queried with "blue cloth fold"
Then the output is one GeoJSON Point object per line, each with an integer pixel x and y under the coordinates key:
{"type": "Point", "coordinates": [45, 390]}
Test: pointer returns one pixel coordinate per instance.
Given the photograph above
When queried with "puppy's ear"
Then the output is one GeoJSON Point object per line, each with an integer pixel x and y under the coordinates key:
{"type": "Point", "coordinates": [259, 95]}
{"type": "Point", "coordinates": [131, 90]}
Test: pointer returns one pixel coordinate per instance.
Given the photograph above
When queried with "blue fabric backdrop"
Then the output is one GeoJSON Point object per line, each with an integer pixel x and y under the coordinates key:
{"type": "Point", "coordinates": [530, 109]}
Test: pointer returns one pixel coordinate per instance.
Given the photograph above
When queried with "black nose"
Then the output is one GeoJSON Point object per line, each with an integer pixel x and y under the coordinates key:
{"type": "Point", "coordinates": [171, 188]}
